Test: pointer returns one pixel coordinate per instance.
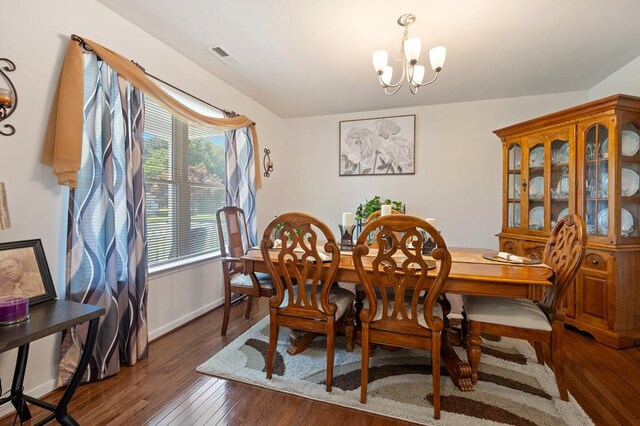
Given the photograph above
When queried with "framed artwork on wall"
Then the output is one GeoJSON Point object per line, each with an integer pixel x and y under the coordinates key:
{"type": "Point", "coordinates": [378, 146]}
{"type": "Point", "coordinates": [24, 272]}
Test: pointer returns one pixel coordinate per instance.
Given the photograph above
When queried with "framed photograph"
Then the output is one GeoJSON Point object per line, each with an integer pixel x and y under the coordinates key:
{"type": "Point", "coordinates": [24, 271]}
{"type": "Point", "coordinates": [378, 146]}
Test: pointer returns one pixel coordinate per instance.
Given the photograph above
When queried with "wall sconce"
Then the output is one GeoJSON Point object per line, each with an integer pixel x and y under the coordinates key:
{"type": "Point", "coordinates": [8, 97]}
{"type": "Point", "coordinates": [267, 163]}
{"type": "Point", "coordinates": [4, 209]}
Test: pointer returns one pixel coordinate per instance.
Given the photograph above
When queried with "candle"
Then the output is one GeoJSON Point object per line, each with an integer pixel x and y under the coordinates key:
{"type": "Point", "coordinates": [347, 219]}
{"type": "Point", "coordinates": [5, 97]}
{"type": "Point", "coordinates": [385, 209]}
{"type": "Point", "coordinates": [431, 221]}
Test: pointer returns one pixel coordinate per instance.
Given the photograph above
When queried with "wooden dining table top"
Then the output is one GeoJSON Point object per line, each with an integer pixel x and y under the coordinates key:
{"type": "Point", "coordinates": [469, 274]}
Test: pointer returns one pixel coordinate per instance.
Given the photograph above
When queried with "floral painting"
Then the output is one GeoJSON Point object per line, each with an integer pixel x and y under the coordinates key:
{"type": "Point", "coordinates": [378, 146]}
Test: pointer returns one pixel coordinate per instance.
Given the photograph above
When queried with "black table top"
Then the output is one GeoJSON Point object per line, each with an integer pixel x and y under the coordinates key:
{"type": "Point", "coordinates": [45, 319]}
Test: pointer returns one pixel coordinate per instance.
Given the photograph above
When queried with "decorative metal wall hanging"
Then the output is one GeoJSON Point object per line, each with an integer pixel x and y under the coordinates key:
{"type": "Point", "coordinates": [8, 97]}
{"type": "Point", "coordinates": [267, 163]}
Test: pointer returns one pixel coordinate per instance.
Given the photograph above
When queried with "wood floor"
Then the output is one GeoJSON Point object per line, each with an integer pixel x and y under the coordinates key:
{"type": "Point", "coordinates": [166, 390]}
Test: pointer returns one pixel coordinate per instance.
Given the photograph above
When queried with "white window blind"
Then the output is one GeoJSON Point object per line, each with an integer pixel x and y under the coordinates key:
{"type": "Point", "coordinates": [185, 173]}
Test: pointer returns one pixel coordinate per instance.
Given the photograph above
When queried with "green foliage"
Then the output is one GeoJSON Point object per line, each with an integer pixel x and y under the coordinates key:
{"type": "Point", "coordinates": [369, 206]}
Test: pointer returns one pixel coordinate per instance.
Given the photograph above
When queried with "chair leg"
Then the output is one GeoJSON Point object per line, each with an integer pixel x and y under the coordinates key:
{"type": "Point", "coordinates": [274, 329]}
{"type": "Point", "coordinates": [364, 369]}
{"type": "Point", "coordinates": [227, 309]}
{"type": "Point", "coordinates": [349, 328]}
{"type": "Point", "coordinates": [435, 373]}
{"type": "Point", "coordinates": [557, 358]}
{"type": "Point", "coordinates": [331, 335]}
{"type": "Point", "coordinates": [473, 349]}
{"type": "Point", "coordinates": [247, 314]}
{"type": "Point", "coordinates": [539, 352]}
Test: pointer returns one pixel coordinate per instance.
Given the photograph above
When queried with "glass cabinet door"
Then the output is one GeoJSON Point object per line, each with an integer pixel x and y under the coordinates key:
{"type": "Point", "coordinates": [560, 187]}
{"type": "Point", "coordinates": [514, 178]}
{"type": "Point", "coordinates": [630, 180]}
{"type": "Point", "coordinates": [536, 186]}
{"type": "Point", "coordinates": [596, 163]}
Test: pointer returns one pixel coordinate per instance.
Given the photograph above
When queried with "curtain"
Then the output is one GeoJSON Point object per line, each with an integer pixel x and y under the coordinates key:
{"type": "Point", "coordinates": [241, 176]}
{"type": "Point", "coordinates": [63, 139]}
{"type": "Point", "coordinates": [106, 239]}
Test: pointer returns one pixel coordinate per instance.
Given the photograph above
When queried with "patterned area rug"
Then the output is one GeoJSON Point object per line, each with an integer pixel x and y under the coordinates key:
{"type": "Point", "coordinates": [512, 388]}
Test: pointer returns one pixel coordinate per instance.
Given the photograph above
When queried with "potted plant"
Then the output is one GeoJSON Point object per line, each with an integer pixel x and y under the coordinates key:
{"type": "Point", "coordinates": [369, 206]}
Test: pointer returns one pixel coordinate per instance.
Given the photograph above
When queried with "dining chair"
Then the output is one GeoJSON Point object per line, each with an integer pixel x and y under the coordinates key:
{"type": "Point", "coordinates": [540, 322]}
{"type": "Point", "coordinates": [399, 273]}
{"type": "Point", "coordinates": [378, 213]}
{"type": "Point", "coordinates": [235, 280]}
{"type": "Point", "coordinates": [304, 274]}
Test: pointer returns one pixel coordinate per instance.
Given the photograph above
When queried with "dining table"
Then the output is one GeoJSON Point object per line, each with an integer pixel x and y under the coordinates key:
{"type": "Point", "coordinates": [471, 273]}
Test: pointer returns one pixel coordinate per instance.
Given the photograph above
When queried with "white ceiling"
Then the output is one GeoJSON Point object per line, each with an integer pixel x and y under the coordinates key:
{"type": "Point", "coordinates": [313, 57]}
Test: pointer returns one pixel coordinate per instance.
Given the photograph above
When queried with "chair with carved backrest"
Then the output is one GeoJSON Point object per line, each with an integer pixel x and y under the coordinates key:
{"type": "Point", "coordinates": [235, 281]}
{"type": "Point", "coordinates": [304, 275]}
{"type": "Point", "coordinates": [399, 272]}
{"type": "Point", "coordinates": [538, 322]}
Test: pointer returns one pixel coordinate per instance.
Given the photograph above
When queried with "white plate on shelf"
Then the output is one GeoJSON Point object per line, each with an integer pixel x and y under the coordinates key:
{"type": "Point", "coordinates": [563, 213]}
{"type": "Point", "coordinates": [536, 188]}
{"type": "Point", "coordinates": [626, 225]}
{"type": "Point", "coordinates": [536, 157]}
{"type": "Point", "coordinates": [536, 218]}
{"type": "Point", "coordinates": [630, 142]}
{"type": "Point", "coordinates": [604, 149]}
{"type": "Point", "coordinates": [630, 182]}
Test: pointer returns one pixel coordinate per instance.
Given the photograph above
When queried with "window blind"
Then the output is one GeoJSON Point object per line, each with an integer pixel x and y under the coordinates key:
{"type": "Point", "coordinates": [185, 174]}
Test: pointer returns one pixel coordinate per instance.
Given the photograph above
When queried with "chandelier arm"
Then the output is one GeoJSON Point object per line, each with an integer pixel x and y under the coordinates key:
{"type": "Point", "coordinates": [429, 82]}
{"type": "Point", "coordinates": [393, 92]}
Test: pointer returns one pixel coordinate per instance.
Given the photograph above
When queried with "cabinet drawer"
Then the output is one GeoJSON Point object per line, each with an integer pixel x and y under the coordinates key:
{"type": "Point", "coordinates": [595, 261]}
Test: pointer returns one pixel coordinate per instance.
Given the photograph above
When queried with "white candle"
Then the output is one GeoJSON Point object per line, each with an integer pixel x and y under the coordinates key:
{"type": "Point", "coordinates": [431, 221]}
{"type": "Point", "coordinates": [385, 209]}
{"type": "Point", "coordinates": [347, 219]}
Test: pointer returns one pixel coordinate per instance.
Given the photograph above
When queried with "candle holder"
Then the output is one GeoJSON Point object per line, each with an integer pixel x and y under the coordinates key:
{"type": "Point", "coordinates": [346, 237]}
{"type": "Point", "coordinates": [428, 245]}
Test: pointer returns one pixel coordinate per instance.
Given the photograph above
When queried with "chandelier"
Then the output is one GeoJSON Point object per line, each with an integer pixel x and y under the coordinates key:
{"type": "Point", "coordinates": [409, 51]}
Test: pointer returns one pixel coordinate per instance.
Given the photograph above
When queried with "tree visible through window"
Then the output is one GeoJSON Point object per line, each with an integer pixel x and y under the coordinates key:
{"type": "Point", "coordinates": [185, 174]}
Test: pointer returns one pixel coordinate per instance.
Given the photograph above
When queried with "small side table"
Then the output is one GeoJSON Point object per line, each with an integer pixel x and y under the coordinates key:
{"type": "Point", "coordinates": [46, 319]}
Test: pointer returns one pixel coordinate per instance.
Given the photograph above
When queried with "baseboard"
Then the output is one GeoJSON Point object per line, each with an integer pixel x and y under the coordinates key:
{"type": "Point", "coordinates": [36, 392]}
{"type": "Point", "coordinates": [154, 334]}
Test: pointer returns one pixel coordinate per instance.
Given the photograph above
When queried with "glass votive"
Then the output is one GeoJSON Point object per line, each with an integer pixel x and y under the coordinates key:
{"type": "Point", "coordinates": [5, 97]}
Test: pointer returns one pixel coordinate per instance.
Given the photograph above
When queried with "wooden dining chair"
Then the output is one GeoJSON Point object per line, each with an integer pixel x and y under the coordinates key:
{"type": "Point", "coordinates": [232, 249]}
{"type": "Point", "coordinates": [399, 273]}
{"type": "Point", "coordinates": [540, 322]}
{"type": "Point", "coordinates": [314, 304]}
{"type": "Point", "coordinates": [378, 213]}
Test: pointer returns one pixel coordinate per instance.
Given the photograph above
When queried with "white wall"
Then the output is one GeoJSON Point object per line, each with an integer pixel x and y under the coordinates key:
{"type": "Point", "coordinates": [458, 176]}
{"type": "Point", "coordinates": [626, 80]}
{"type": "Point", "coordinates": [35, 36]}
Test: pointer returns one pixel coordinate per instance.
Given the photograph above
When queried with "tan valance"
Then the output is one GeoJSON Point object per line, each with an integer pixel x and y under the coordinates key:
{"type": "Point", "coordinates": [63, 138]}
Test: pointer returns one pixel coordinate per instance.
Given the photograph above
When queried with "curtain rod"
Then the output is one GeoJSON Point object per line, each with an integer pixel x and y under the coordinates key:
{"type": "Point", "coordinates": [81, 42]}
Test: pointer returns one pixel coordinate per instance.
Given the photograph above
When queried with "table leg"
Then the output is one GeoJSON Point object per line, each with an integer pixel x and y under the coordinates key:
{"type": "Point", "coordinates": [17, 398]}
{"type": "Point", "coordinates": [61, 409]}
{"type": "Point", "coordinates": [299, 341]}
{"type": "Point", "coordinates": [459, 371]}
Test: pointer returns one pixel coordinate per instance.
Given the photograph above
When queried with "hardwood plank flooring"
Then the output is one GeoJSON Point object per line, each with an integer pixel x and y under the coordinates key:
{"type": "Point", "coordinates": [166, 390]}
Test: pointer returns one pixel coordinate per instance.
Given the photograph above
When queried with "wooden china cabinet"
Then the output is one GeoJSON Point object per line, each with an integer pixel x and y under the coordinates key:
{"type": "Point", "coordinates": [586, 160]}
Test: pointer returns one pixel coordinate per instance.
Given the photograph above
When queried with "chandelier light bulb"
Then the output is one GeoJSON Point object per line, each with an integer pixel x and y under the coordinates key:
{"type": "Point", "coordinates": [387, 75]}
{"type": "Point", "coordinates": [418, 74]}
{"type": "Point", "coordinates": [412, 50]}
{"type": "Point", "coordinates": [380, 59]}
{"type": "Point", "coordinates": [437, 56]}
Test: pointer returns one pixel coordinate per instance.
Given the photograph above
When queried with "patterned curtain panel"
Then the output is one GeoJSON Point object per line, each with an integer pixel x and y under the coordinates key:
{"type": "Point", "coordinates": [106, 241]}
{"type": "Point", "coordinates": [241, 176]}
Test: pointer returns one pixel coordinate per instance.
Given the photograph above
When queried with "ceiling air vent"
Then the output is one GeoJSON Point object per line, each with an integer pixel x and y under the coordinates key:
{"type": "Point", "coordinates": [223, 55]}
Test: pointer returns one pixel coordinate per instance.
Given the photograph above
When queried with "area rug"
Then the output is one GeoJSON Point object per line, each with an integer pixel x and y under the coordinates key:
{"type": "Point", "coordinates": [512, 388]}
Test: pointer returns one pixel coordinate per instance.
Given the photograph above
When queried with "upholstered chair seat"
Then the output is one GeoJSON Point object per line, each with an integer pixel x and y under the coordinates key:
{"type": "Point", "coordinates": [522, 313]}
{"type": "Point", "coordinates": [437, 311]}
{"type": "Point", "coordinates": [245, 280]}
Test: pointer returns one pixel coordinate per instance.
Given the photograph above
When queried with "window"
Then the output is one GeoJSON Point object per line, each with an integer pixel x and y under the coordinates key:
{"type": "Point", "coordinates": [185, 176]}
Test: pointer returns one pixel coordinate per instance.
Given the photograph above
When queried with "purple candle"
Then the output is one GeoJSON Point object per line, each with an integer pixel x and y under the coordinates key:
{"type": "Point", "coordinates": [13, 309]}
